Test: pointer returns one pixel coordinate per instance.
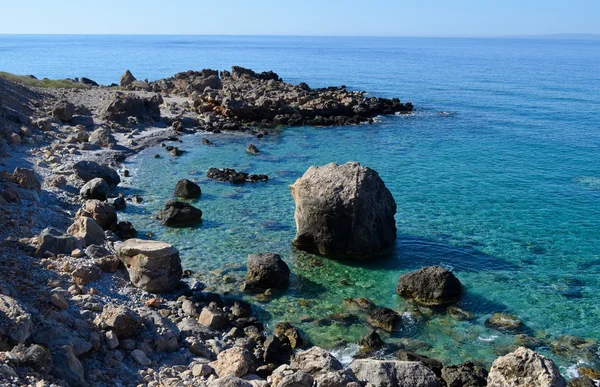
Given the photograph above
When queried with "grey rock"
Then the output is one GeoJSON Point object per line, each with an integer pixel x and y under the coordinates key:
{"type": "Point", "coordinates": [68, 368]}
{"type": "Point", "coordinates": [393, 373]}
{"type": "Point", "coordinates": [213, 319]}
{"type": "Point", "coordinates": [323, 367]}
{"type": "Point", "coordinates": [103, 213]}
{"type": "Point", "coordinates": [63, 110]}
{"type": "Point", "coordinates": [140, 358]}
{"type": "Point", "coordinates": [122, 106]}
{"type": "Point", "coordinates": [464, 375]}
{"type": "Point", "coordinates": [297, 379]}
{"type": "Point", "coordinates": [180, 214]}
{"type": "Point", "coordinates": [26, 179]}
{"type": "Point", "coordinates": [229, 381]}
{"type": "Point", "coordinates": [95, 189]}
{"type": "Point", "coordinates": [267, 271]}
{"type": "Point", "coordinates": [524, 368]}
{"type": "Point", "coordinates": [127, 79]}
{"type": "Point", "coordinates": [103, 138]}
{"type": "Point", "coordinates": [121, 320]}
{"type": "Point", "coordinates": [88, 170]}
{"type": "Point", "coordinates": [187, 189]}
{"type": "Point", "coordinates": [433, 285]}
{"type": "Point", "coordinates": [87, 230]}
{"type": "Point", "coordinates": [343, 210]}
{"type": "Point", "coordinates": [15, 322]}
{"type": "Point", "coordinates": [51, 240]}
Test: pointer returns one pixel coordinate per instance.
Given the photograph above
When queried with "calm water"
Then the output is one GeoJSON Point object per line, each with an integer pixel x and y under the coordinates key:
{"type": "Point", "coordinates": [495, 175]}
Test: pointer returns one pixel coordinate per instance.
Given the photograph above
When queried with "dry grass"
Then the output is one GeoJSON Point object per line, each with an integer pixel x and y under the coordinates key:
{"type": "Point", "coordinates": [43, 83]}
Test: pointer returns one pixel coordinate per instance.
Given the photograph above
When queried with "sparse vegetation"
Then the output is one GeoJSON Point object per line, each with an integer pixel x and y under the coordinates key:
{"type": "Point", "coordinates": [43, 83]}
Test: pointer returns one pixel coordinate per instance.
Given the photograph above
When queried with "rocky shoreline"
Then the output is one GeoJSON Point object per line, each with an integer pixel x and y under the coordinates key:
{"type": "Point", "coordinates": [83, 302]}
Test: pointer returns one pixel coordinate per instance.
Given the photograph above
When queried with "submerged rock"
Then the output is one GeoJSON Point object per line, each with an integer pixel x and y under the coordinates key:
{"type": "Point", "coordinates": [371, 342]}
{"type": "Point", "coordinates": [384, 318]}
{"type": "Point", "coordinates": [432, 285]}
{"type": "Point", "coordinates": [266, 271]}
{"type": "Point", "coordinates": [186, 189]}
{"type": "Point", "coordinates": [343, 210]}
{"type": "Point", "coordinates": [504, 322]}
{"type": "Point", "coordinates": [179, 214]}
{"type": "Point", "coordinates": [251, 148]}
{"type": "Point", "coordinates": [291, 334]}
{"type": "Point", "coordinates": [524, 368]}
{"type": "Point", "coordinates": [233, 176]}
{"type": "Point", "coordinates": [153, 266]}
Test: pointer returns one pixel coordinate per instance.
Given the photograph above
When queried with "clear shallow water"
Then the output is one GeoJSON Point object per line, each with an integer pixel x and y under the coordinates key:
{"type": "Point", "coordinates": [504, 187]}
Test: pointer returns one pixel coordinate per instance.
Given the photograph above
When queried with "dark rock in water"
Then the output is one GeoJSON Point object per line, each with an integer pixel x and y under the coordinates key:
{"type": "Point", "coordinates": [465, 375]}
{"type": "Point", "coordinates": [89, 82]}
{"type": "Point", "coordinates": [122, 106]}
{"type": "Point", "coordinates": [582, 382]}
{"type": "Point", "coordinates": [125, 230]}
{"type": "Point", "coordinates": [127, 79]}
{"type": "Point", "coordinates": [88, 170]}
{"type": "Point", "coordinates": [432, 285]}
{"type": "Point", "coordinates": [459, 314]}
{"type": "Point", "coordinates": [251, 148]}
{"type": "Point", "coordinates": [187, 189]}
{"type": "Point", "coordinates": [343, 210]}
{"type": "Point", "coordinates": [430, 363]}
{"type": "Point", "coordinates": [175, 151]}
{"type": "Point", "coordinates": [179, 214]}
{"type": "Point", "coordinates": [266, 271]}
{"type": "Point", "coordinates": [384, 318]}
{"type": "Point", "coordinates": [503, 322]}
{"type": "Point", "coordinates": [206, 141]}
{"type": "Point", "coordinates": [575, 347]}
{"type": "Point", "coordinates": [63, 111]}
{"type": "Point", "coordinates": [371, 342]}
{"type": "Point", "coordinates": [291, 334]}
{"type": "Point", "coordinates": [119, 203]}
{"type": "Point", "coordinates": [95, 189]}
{"type": "Point", "coordinates": [233, 176]}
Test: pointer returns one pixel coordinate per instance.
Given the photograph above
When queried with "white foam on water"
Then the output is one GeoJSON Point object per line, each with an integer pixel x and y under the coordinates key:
{"type": "Point", "coordinates": [346, 354]}
{"type": "Point", "coordinates": [487, 339]}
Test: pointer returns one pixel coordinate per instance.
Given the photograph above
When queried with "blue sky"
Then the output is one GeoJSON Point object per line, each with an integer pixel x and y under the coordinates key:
{"type": "Point", "coordinates": [305, 17]}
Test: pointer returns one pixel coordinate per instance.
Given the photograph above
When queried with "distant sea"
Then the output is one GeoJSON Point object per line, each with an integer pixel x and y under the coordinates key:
{"type": "Point", "coordinates": [496, 175]}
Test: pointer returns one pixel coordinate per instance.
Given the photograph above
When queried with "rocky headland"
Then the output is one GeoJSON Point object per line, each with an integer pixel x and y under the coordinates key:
{"type": "Point", "coordinates": [85, 302]}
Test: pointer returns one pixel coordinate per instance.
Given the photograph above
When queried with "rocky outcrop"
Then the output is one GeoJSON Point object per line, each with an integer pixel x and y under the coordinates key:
{"type": "Point", "coordinates": [127, 79]}
{"type": "Point", "coordinates": [87, 230]}
{"type": "Point", "coordinates": [251, 148]}
{"type": "Point", "coordinates": [343, 210]}
{"type": "Point", "coordinates": [233, 176]}
{"type": "Point", "coordinates": [186, 189]}
{"type": "Point", "coordinates": [267, 271]}
{"type": "Point", "coordinates": [431, 286]}
{"type": "Point", "coordinates": [384, 318]}
{"type": "Point", "coordinates": [26, 179]}
{"type": "Point", "coordinates": [323, 367]}
{"type": "Point", "coordinates": [123, 106]}
{"type": "Point", "coordinates": [524, 368]}
{"type": "Point", "coordinates": [15, 323]}
{"type": "Point", "coordinates": [88, 170]}
{"type": "Point", "coordinates": [179, 214]}
{"type": "Point", "coordinates": [465, 375]}
{"type": "Point", "coordinates": [393, 373]}
{"type": "Point", "coordinates": [235, 361]}
{"type": "Point", "coordinates": [153, 266]}
{"type": "Point", "coordinates": [95, 189]}
{"type": "Point", "coordinates": [103, 213]}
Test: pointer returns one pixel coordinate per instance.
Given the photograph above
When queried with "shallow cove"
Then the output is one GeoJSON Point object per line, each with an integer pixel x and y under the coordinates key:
{"type": "Point", "coordinates": [516, 231]}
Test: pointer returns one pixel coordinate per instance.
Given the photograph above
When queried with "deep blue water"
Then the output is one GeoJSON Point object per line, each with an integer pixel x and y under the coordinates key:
{"type": "Point", "coordinates": [496, 174]}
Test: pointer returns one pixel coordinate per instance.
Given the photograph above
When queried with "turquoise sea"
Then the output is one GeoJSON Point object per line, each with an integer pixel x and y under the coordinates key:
{"type": "Point", "coordinates": [496, 175]}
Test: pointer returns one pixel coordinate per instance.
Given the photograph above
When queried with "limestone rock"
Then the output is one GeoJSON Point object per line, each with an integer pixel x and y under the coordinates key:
{"type": "Point", "coordinates": [87, 230]}
{"type": "Point", "coordinates": [524, 368]}
{"type": "Point", "coordinates": [186, 189]}
{"type": "Point", "coordinates": [432, 285]}
{"type": "Point", "coordinates": [68, 368]}
{"type": "Point", "coordinates": [103, 213]}
{"type": "Point", "coordinates": [88, 170]}
{"type": "Point", "coordinates": [213, 319]}
{"type": "Point", "coordinates": [323, 367]}
{"type": "Point", "coordinates": [235, 361]}
{"type": "Point", "coordinates": [180, 214]}
{"type": "Point", "coordinates": [503, 322]}
{"type": "Point", "coordinates": [343, 210]}
{"type": "Point", "coordinates": [297, 379]}
{"type": "Point", "coordinates": [267, 271]}
{"type": "Point", "coordinates": [152, 265]}
{"type": "Point", "coordinates": [393, 373]}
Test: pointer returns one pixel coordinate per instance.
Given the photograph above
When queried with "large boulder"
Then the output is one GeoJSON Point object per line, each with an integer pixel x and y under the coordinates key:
{"type": "Point", "coordinates": [55, 242]}
{"type": "Point", "coordinates": [26, 179]}
{"type": "Point", "coordinates": [186, 189]}
{"type": "Point", "coordinates": [88, 170]}
{"type": "Point", "coordinates": [323, 367]}
{"type": "Point", "coordinates": [384, 318]}
{"type": "Point", "coordinates": [465, 375]}
{"type": "Point", "coordinates": [87, 230]}
{"type": "Point", "coordinates": [343, 210]}
{"type": "Point", "coordinates": [179, 214]}
{"type": "Point", "coordinates": [67, 367]}
{"type": "Point", "coordinates": [122, 106]}
{"type": "Point", "coordinates": [393, 373]}
{"type": "Point", "coordinates": [103, 213]}
{"type": "Point", "coordinates": [524, 368]}
{"type": "Point", "coordinates": [127, 79]}
{"type": "Point", "coordinates": [95, 189]}
{"type": "Point", "coordinates": [102, 137]}
{"type": "Point", "coordinates": [267, 271]}
{"type": "Point", "coordinates": [15, 323]}
{"type": "Point", "coordinates": [432, 285]}
{"type": "Point", "coordinates": [235, 361]}
{"type": "Point", "coordinates": [152, 265]}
